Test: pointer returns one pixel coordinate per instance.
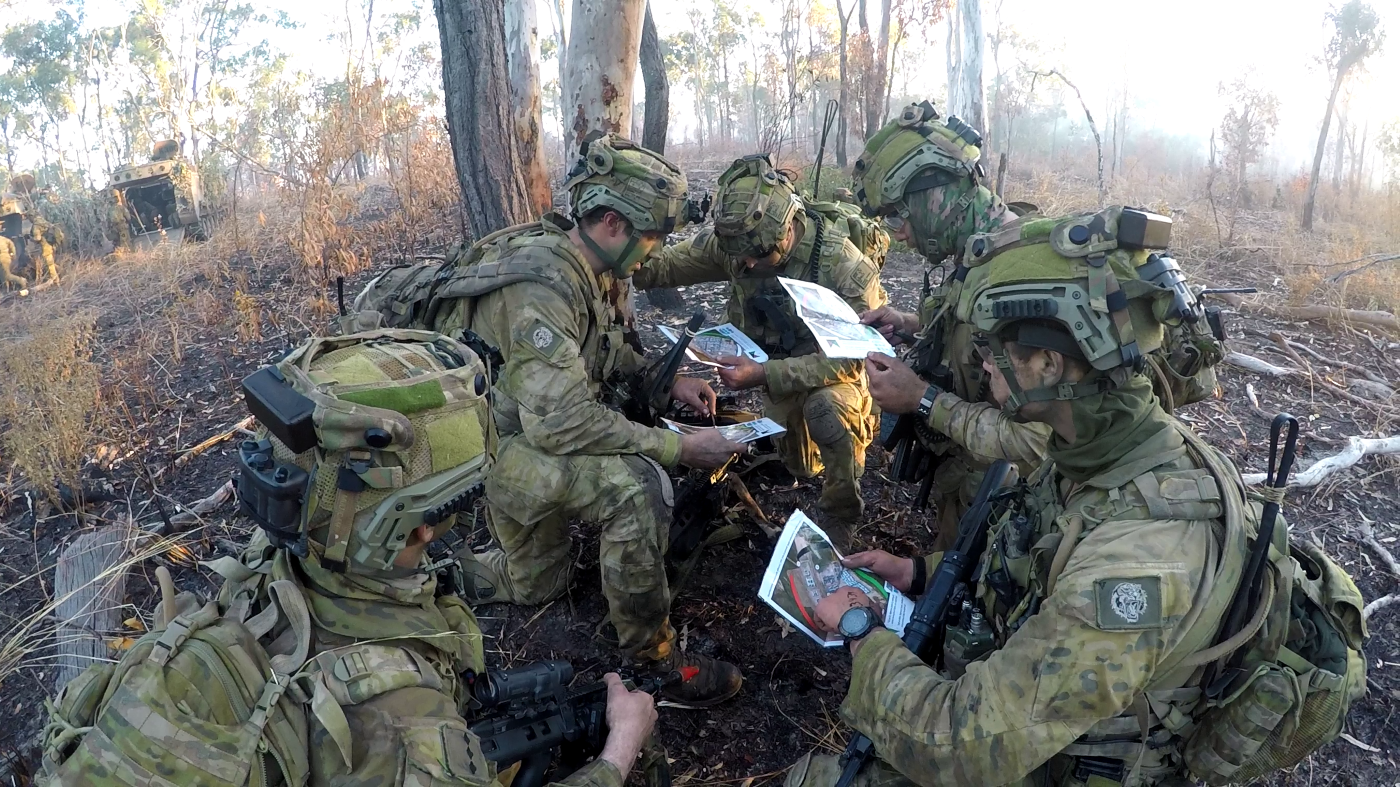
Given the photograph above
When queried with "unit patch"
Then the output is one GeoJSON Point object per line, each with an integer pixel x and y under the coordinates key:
{"type": "Point", "coordinates": [1123, 604]}
{"type": "Point", "coordinates": [544, 339]}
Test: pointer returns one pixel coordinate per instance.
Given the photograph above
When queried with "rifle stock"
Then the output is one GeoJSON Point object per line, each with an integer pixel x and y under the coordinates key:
{"type": "Point", "coordinates": [955, 569]}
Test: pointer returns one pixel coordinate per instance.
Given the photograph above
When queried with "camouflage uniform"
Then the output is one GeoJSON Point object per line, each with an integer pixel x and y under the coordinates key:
{"type": "Point", "coordinates": [119, 222]}
{"type": "Point", "coordinates": [564, 453]}
{"type": "Point", "coordinates": [41, 234]}
{"type": "Point", "coordinates": [7, 260]}
{"type": "Point", "coordinates": [1101, 586]}
{"type": "Point", "coordinates": [929, 174]}
{"type": "Point", "coordinates": [824, 404]}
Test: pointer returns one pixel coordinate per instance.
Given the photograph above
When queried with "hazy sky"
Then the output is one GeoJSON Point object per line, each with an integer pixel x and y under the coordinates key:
{"type": "Point", "coordinates": [1172, 55]}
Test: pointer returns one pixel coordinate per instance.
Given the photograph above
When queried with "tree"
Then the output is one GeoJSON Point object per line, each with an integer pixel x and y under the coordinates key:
{"type": "Point", "coordinates": [1356, 35]}
{"type": "Point", "coordinates": [523, 63]}
{"type": "Point", "coordinates": [658, 90]}
{"type": "Point", "coordinates": [878, 73]}
{"type": "Point", "coordinates": [605, 40]}
{"type": "Point", "coordinates": [844, 17]}
{"type": "Point", "coordinates": [1244, 135]}
{"type": "Point", "coordinates": [966, 96]}
{"type": "Point", "coordinates": [476, 93]}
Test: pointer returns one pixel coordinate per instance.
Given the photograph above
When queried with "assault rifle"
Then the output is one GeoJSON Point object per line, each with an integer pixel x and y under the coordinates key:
{"type": "Point", "coordinates": [648, 396]}
{"type": "Point", "coordinates": [529, 715]}
{"type": "Point", "coordinates": [953, 573]}
{"type": "Point", "coordinates": [912, 459]}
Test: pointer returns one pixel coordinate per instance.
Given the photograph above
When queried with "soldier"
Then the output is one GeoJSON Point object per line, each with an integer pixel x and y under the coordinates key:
{"type": "Point", "coordinates": [119, 222]}
{"type": "Point", "coordinates": [1095, 592]}
{"type": "Point", "coordinates": [763, 230]}
{"type": "Point", "coordinates": [46, 236]}
{"type": "Point", "coordinates": [7, 260]}
{"type": "Point", "coordinates": [538, 292]}
{"type": "Point", "coordinates": [923, 177]}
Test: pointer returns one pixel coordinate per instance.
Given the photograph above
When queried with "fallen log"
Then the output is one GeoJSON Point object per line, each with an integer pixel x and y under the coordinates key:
{"type": "Point", "coordinates": [89, 585]}
{"type": "Point", "coordinates": [1379, 319]}
{"type": "Point", "coordinates": [1258, 365]}
{"type": "Point", "coordinates": [1357, 449]}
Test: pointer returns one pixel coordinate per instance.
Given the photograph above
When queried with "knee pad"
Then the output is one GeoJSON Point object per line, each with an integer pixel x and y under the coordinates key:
{"type": "Point", "coordinates": [824, 422]}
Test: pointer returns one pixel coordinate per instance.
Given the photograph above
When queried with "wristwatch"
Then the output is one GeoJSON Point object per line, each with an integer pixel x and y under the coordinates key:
{"type": "Point", "coordinates": [926, 402]}
{"type": "Point", "coordinates": [856, 622]}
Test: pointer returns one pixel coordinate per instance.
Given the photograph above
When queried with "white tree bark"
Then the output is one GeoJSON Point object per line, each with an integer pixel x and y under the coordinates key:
{"type": "Point", "coordinates": [967, 97]}
{"type": "Point", "coordinates": [523, 68]}
{"type": "Point", "coordinates": [605, 37]}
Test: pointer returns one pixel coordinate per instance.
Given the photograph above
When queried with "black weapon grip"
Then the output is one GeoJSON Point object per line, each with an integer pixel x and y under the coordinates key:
{"type": "Point", "coordinates": [665, 374]}
{"type": "Point", "coordinates": [533, 769]}
{"type": "Point", "coordinates": [953, 570]}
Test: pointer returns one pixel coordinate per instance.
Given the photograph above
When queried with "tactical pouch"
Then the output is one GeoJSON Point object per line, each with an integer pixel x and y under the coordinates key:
{"type": "Point", "coordinates": [1297, 692]}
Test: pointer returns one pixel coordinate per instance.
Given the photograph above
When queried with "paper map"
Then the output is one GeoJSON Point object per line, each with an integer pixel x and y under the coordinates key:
{"type": "Point", "coordinates": [833, 323]}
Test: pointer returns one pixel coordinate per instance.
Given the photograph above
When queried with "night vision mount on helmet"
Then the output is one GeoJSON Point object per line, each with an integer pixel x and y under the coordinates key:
{"type": "Point", "coordinates": [912, 153]}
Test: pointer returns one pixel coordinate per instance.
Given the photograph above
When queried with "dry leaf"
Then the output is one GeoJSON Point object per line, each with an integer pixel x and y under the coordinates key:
{"type": "Point", "coordinates": [134, 623]}
{"type": "Point", "coordinates": [180, 555]}
{"type": "Point", "coordinates": [121, 643]}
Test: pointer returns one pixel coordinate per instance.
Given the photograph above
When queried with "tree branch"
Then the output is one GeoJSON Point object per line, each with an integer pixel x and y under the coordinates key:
{"type": "Point", "coordinates": [1357, 449]}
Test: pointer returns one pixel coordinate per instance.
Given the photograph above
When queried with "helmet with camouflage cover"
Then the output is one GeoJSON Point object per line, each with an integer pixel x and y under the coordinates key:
{"type": "Point", "coordinates": [1080, 294]}
{"type": "Point", "coordinates": [642, 186]}
{"type": "Point", "coordinates": [911, 153]}
{"type": "Point", "coordinates": [755, 207]}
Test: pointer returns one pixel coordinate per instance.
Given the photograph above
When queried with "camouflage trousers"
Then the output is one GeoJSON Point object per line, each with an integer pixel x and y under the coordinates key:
{"type": "Point", "coordinates": [45, 258]}
{"type": "Point", "coordinates": [823, 770]}
{"type": "Point", "coordinates": [7, 259]}
{"type": "Point", "coordinates": [530, 498]}
{"type": "Point", "coordinates": [827, 428]}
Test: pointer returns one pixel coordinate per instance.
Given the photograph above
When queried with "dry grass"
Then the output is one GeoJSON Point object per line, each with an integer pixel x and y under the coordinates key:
{"type": "Point", "coordinates": [50, 401]}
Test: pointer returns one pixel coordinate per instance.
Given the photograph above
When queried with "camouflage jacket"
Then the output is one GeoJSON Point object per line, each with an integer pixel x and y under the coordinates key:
{"type": "Point", "coordinates": [531, 293]}
{"type": "Point", "coordinates": [1097, 596]}
{"type": "Point", "coordinates": [386, 659]}
{"type": "Point", "coordinates": [761, 308]}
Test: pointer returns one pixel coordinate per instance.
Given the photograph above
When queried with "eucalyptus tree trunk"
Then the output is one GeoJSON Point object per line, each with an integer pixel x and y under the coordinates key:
{"type": "Point", "coordinates": [523, 67]}
{"type": "Point", "coordinates": [605, 38]}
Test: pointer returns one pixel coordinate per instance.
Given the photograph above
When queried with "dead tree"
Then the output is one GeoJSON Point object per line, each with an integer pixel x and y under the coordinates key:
{"type": "Point", "coordinates": [89, 586]}
{"type": "Point", "coordinates": [657, 118]}
{"type": "Point", "coordinates": [477, 95]}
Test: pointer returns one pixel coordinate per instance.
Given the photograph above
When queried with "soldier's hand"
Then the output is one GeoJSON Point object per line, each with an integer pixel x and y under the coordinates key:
{"type": "Point", "coordinates": [893, 385]}
{"type": "Point", "coordinates": [631, 717]}
{"type": "Point", "coordinates": [831, 608]}
{"type": "Point", "coordinates": [898, 571]}
{"type": "Point", "coordinates": [695, 392]}
{"type": "Point", "coordinates": [708, 449]}
{"type": "Point", "coordinates": [890, 321]}
{"type": "Point", "coordinates": [739, 372]}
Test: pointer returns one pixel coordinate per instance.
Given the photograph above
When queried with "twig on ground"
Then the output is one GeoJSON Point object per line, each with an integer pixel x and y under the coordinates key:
{"type": "Point", "coordinates": [196, 450]}
{"type": "Point", "coordinates": [1379, 604]}
{"type": "Point", "coordinates": [1336, 277]}
{"type": "Point", "coordinates": [1368, 537]}
{"type": "Point", "coordinates": [1258, 366]}
{"type": "Point", "coordinates": [1337, 362]}
{"type": "Point", "coordinates": [1357, 448]}
{"type": "Point", "coordinates": [1254, 402]}
{"type": "Point", "coordinates": [194, 513]}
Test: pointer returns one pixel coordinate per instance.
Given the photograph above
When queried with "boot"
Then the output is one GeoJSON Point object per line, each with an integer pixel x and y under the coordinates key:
{"type": "Point", "coordinates": [711, 681]}
{"type": "Point", "coordinates": [478, 582]}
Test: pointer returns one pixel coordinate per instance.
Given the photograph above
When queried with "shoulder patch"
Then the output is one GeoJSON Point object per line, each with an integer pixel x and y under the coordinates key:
{"type": "Point", "coordinates": [545, 340]}
{"type": "Point", "coordinates": [1127, 604]}
{"type": "Point", "coordinates": [852, 271]}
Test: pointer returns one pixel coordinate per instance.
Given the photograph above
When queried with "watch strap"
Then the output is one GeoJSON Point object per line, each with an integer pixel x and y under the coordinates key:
{"type": "Point", "coordinates": [920, 579]}
{"type": "Point", "coordinates": [926, 401]}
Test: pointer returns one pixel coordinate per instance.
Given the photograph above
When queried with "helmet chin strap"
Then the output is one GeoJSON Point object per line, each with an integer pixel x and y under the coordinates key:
{"type": "Point", "coordinates": [617, 264]}
{"type": "Point", "coordinates": [1094, 383]}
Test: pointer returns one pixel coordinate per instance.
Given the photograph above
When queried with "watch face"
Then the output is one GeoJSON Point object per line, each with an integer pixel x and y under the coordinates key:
{"type": "Point", "coordinates": [857, 622]}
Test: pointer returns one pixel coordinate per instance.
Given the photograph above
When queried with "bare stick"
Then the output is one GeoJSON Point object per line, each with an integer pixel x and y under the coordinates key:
{"type": "Point", "coordinates": [192, 514]}
{"type": "Point", "coordinates": [1368, 537]}
{"type": "Point", "coordinates": [1258, 366]}
{"type": "Point", "coordinates": [1357, 448]}
{"type": "Point", "coordinates": [1337, 362]}
{"type": "Point", "coordinates": [191, 453]}
{"type": "Point", "coordinates": [1379, 604]}
{"type": "Point", "coordinates": [1336, 277]}
{"type": "Point", "coordinates": [1093, 127]}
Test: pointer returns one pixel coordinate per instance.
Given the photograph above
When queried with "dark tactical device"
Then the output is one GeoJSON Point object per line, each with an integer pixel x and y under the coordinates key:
{"type": "Point", "coordinates": [648, 396]}
{"type": "Point", "coordinates": [285, 412]}
{"type": "Point", "coordinates": [1221, 675]}
{"type": "Point", "coordinates": [272, 494]}
{"type": "Point", "coordinates": [529, 715]}
{"type": "Point", "coordinates": [948, 582]}
{"type": "Point", "coordinates": [1139, 229]}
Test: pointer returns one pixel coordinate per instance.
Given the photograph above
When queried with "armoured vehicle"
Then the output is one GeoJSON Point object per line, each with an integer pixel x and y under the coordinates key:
{"type": "Point", "coordinates": [162, 197]}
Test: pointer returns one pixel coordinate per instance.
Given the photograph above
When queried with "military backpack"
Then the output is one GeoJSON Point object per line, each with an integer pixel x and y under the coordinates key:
{"type": "Point", "coordinates": [865, 233]}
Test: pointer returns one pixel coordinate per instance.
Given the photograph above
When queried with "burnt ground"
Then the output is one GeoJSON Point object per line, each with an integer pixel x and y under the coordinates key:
{"type": "Point", "coordinates": [792, 689]}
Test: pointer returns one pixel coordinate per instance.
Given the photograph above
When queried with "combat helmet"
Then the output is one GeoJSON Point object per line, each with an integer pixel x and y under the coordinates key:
{"type": "Point", "coordinates": [756, 205]}
{"type": "Point", "coordinates": [914, 152]}
{"type": "Point", "coordinates": [646, 189]}
{"type": "Point", "coordinates": [1081, 291]}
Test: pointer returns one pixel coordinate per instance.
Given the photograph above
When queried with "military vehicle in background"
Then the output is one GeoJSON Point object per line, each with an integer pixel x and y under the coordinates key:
{"type": "Point", "coordinates": [162, 197]}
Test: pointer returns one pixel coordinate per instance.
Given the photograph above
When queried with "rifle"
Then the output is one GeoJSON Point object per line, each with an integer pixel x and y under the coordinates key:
{"type": "Point", "coordinates": [912, 460]}
{"type": "Point", "coordinates": [528, 714]}
{"type": "Point", "coordinates": [649, 394]}
{"type": "Point", "coordinates": [953, 573]}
